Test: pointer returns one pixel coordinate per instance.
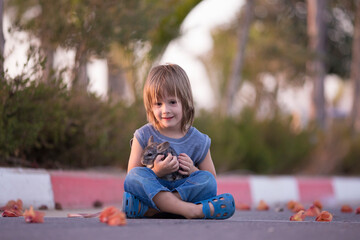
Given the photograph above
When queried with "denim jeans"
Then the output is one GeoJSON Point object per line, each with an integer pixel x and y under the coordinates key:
{"type": "Point", "coordinates": [143, 183]}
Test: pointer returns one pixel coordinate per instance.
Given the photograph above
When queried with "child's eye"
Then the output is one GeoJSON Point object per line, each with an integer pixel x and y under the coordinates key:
{"type": "Point", "coordinates": [173, 101]}
{"type": "Point", "coordinates": [158, 104]}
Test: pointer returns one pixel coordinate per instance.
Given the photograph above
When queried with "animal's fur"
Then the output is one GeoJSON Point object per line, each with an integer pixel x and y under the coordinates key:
{"type": "Point", "coordinates": [152, 150]}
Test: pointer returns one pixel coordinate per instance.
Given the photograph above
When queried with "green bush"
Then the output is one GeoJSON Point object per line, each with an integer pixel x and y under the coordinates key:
{"type": "Point", "coordinates": [49, 126]}
{"type": "Point", "coordinates": [351, 164]}
{"type": "Point", "coordinates": [249, 145]}
{"type": "Point", "coordinates": [24, 113]}
{"type": "Point", "coordinates": [96, 133]}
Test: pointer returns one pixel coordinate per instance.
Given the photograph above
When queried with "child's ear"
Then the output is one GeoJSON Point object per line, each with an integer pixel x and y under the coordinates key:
{"type": "Point", "coordinates": [151, 140]}
{"type": "Point", "coordinates": [163, 146]}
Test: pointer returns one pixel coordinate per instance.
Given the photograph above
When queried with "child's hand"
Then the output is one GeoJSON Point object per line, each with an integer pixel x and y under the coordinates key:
{"type": "Point", "coordinates": [186, 164]}
{"type": "Point", "coordinates": [163, 167]}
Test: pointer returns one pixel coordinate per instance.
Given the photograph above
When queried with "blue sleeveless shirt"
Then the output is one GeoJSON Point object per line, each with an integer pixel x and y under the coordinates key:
{"type": "Point", "coordinates": [195, 144]}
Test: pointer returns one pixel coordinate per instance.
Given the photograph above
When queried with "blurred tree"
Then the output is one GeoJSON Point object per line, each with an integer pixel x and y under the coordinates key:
{"type": "Point", "coordinates": [172, 14]}
{"type": "Point", "coordinates": [236, 72]}
{"type": "Point", "coordinates": [116, 79]}
{"type": "Point", "coordinates": [127, 64]}
{"type": "Point", "coordinates": [339, 35]}
{"type": "Point", "coordinates": [276, 46]}
{"type": "Point", "coordinates": [316, 65]}
{"type": "Point", "coordinates": [95, 24]}
{"type": "Point", "coordinates": [123, 64]}
{"type": "Point", "coordinates": [2, 39]}
{"type": "Point", "coordinates": [355, 72]}
{"type": "Point", "coordinates": [91, 27]}
{"type": "Point", "coordinates": [44, 20]}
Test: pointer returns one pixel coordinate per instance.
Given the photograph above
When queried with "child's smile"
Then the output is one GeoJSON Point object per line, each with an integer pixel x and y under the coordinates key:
{"type": "Point", "coordinates": [167, 118]}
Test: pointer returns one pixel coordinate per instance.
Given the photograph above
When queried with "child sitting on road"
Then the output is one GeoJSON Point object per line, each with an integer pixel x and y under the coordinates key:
{"type": "Point", "coordinates": [170, 111]}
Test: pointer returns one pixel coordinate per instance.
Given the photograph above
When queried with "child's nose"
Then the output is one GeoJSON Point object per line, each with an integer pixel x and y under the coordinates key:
{"type": "Point", "coordinates": [165, 108]}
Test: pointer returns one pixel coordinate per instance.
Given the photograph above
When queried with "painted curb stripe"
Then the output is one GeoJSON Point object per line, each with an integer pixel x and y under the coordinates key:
{"type": "Point", "coordinates": [82, 191]}
{"type": "Point", "coordinates": [239, 187]}
{"type": "Point", "coordinates": [311, 189]}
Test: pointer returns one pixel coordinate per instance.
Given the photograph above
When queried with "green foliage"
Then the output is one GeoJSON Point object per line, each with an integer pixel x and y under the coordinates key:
{"type": "Point", "coordinates": [53, 127]}
{"type": "Point", "coordinates": [256, 146]}
{"type": "Point", "coordinates": [23, 114]}
{"type": "Point", "coordinates": [278, 44]}
{"type": "Point", "coordinates": [96, 134]}
{"type": "Point", "coordinates": [50, 126]}
{"type": "Point", "coordinates": [350, 165]}
{"type": "Point", "coordinates": [93, 25]}
{"type": "Point", "coordinates": [339, 32]}
{"type": "Point", "coordinates": [168, 27]}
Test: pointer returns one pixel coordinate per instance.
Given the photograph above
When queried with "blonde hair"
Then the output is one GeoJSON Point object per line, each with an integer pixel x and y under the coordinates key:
{"type": "Point", "coordinates": [172, 80]}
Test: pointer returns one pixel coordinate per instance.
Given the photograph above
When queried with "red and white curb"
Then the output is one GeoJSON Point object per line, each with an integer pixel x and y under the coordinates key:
{"type": "Point", "coordinates": [73, 189]}
{"type": "Point", "coordinates": [32, 186]}
{"type": "Point", "coordinates": [331, 191]}
{"type": "Point", "coordinates": [69, 189]}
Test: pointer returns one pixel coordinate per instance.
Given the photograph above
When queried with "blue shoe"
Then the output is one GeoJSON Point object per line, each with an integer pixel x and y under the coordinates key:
{"type": "Point", "coordinates": [224, 206]}
{"type": "Point", "coordinates": [130, 206]}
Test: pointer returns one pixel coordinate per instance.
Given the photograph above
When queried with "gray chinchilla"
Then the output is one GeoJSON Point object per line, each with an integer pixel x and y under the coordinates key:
{"type": "Point", "coordinates": [152, 150]}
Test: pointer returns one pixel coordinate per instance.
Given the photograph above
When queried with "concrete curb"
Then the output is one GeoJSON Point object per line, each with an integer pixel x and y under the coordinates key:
{"type": "Point", "coordinates": [331, 191]}
{"type": "Point", "coordinates": [80, 189]}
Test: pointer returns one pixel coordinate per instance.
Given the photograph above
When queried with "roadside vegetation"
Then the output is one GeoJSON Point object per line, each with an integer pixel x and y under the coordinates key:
{"type": "Point", "coordinates": [49, 119]}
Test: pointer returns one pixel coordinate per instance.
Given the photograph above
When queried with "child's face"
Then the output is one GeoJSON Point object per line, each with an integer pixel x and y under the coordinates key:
{"type": "Point", "coordinates": [168, 112]}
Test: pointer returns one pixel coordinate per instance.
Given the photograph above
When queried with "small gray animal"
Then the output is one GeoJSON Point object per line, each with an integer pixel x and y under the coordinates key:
{"type": "Point", "coordinates": [152, 150]}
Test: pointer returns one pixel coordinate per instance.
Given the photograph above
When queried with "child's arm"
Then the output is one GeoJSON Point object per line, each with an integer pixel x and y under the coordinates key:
{"type": "Point", "coordinates": [187, 165]}
{"type": "Point", "coordinates": [207, 164]}
{"type": "Point", "coordinates": [135, 155]}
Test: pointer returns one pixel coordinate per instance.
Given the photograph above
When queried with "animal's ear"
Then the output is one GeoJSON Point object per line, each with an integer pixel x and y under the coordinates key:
{"type": "Point", "coordinates": [163, 146]}
{"type": "Point", "coordinates": [151, 140]}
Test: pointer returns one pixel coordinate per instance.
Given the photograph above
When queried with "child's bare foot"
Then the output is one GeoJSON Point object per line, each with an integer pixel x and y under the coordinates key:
{"type": "Point", "coordinates": [151, 212]}
{"type": "Point", "coordinates": [199, 210]}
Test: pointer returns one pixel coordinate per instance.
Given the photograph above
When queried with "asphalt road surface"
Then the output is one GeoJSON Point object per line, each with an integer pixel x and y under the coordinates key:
{"type": "Point", "coordinates": [243, 225]}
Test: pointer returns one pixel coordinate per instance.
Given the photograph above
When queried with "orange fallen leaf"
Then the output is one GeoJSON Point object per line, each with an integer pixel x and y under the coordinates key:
{"type": "Point", "coordinates": [324, 216]}
{"type": "Point", "coordinates": [299, 216]}
{"type": "Point", "coordinates": [12, 204]}
{"type": "Point", "coordinates": [346, 209]}
{"type": "Point", "coordinates": [298, 207]}
{"type": "Point", "coordinates": [11, 213]}
{"type": "Point", "coordinates": [262, 206]}
{"type": "Point", "coordinates": [242, 207]}
{"type": "Point", "coordinates": [117, 219]}
{"type": "Point", "coordinates": [112, 216]}
{"type": "Point", "coordinates": [106, 213]}
{"type": "Point", "coordinates": [32, 216]}
{"type": "Point", "coordinates": [357, 211]}
{"type": "Point", "coordinates": [318, 204]}
{"type": "Point", "coordinates": [312, 211]}
{"type": "Point", "coordinates": [12, 208]}
{"type": "Point", "coordinates": [291, 204]}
